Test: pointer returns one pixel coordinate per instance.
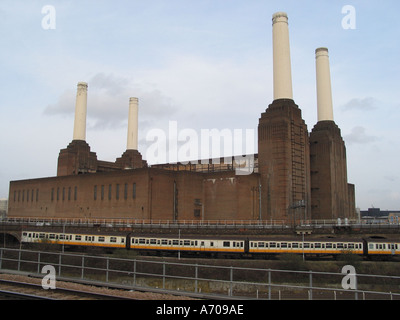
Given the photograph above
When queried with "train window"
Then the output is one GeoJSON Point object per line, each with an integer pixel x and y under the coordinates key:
{"type": "Point", "coordinates": [306, 245]}
{"type": "Point", "coordinates": [101, 239]}
{"type": "Point", "coordinates": [340, 246]}
{"type": "Point", "coordinates": [153, 241]}
{"type": "Point", "coordinates": [329, 245]}
{"type": "Point", "coordinates": [195, 243]}
{"type": "Point", "coordinates": [212, 244]}
{"type": "Point", "coordinates": [175, 242]}
{"type": "Point", "coordinates": [295, 245]}
{"type": "Point", "coordinates": [78, 238]}
{"type": "Point", "coordinates": [113, 239]}
{"type": "Point", "coordinates": [52, 236]}
{"type": "Point", "coordinates": [25, 234]}
{"type": "Point", "coordinates": [142, 241]}
{"type": "Point", "coordinates": [351, 246]}
{"type": "Point", "coordinates": [186, 242]}
{"type": "Point", "coordinates": [226, 244]}
{"type": "Point", "coordinates": [284, 245]}
{"type": "Point", "coordinates": [122, 240]}
{"type": "Point", "coordinates": [370, 245]}
{"type": "Point", "coordinates": [201, 243]}
{"type": "Point", "coordinates": [278, 245]}
{"type": "Point", "coordinates": [192, 243]}
{"type": "Point", "coordinates": [164, 242]}
{"type": "Point", "coordinates": [317, 246]}
{"type": "Point", "coordinates": [169, 242]}
{"type": "Point", "coordinates": [261, 244]}
{"type": "Point", "coordinates": [272, 245]}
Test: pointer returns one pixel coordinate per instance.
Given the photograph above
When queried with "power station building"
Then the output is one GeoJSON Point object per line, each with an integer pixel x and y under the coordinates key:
{"type": "Point", "coordinates": [295, 175]}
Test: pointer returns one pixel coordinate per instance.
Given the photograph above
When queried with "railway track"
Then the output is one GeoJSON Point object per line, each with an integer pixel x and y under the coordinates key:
{"type": "Point", "coordinates": [16, 290]}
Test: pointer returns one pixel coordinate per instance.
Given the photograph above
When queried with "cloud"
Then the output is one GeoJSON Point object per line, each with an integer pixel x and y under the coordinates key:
{"type": "Point", "coordinates": [365, 104]}
{"type": "Point", "coordinates": [358, 135]}
{"type": "Point", "coordinates": [108, 102]}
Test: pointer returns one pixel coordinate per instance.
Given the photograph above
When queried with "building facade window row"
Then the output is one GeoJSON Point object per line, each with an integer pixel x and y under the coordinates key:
{"type": "Point", "coordinates": [28, 195]}
{"type": "Point", "coordinates": [100, 192]}
{"type": "Point", "coordinates": [64, 193]}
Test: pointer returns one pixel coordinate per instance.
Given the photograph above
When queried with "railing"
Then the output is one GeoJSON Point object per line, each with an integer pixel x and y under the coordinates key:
{"type": "Point", "coordinates": [260, 224]}
{"type": "Point", "coordinates": [221, 281]}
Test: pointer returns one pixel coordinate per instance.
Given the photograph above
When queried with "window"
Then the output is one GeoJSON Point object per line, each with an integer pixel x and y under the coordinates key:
{"type": "Point", "coordinates": [226, 244]}
{"type": "Point", "coordinates": [197, 212]}
{"type": "Point", "coordinates": [113, 239]}
{"type": "Point", "coordinates": [75, 193]}
{"type": "Point", "coordinates": [126, 191]}
{"type": "Point", "coordinates": [101, 239]}
{"type": "Point", "coordinates": [102, 192]}
{"type": "Point", "coordinates": [69, 193]}
{"type": "Point", "coordinates": [95, 193]}
{"type": "Point", "coordinates": [109, 191]}
{"type": "Point", "coordinates": [58, 193]}
{"type": "Point", "coordinates": [117, 192]}
{"type": "Point", "coordinates": [134, 191]}
{"type": "Point", "coordinates": [186, 243]}
{"type": "Point", "coordinates": [52, 194]}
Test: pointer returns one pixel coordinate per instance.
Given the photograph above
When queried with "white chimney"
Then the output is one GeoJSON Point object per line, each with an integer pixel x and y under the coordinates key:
{"type": "Point", "coordinates": [132, 142]}
{"type": "Point", "coordinates": [80, 112]}
{"type": "Point", "coordinates": [281, 57]}
{"type": "Point", "coordinates": [324, 90]}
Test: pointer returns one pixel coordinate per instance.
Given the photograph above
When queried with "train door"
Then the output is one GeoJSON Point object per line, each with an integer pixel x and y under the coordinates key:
{"type": "Point", "coordinates": [246, 245]}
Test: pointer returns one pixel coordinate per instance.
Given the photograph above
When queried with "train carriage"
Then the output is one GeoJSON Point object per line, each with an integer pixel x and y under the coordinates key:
{"type": "Point", "coordinates": [383, 247]}
{"type": "Point", "coordinates": [318, 247]}
{"type": "Point", "coordinates": [194, 245]}
{"type": "Point", "coordinates": [106, 241]}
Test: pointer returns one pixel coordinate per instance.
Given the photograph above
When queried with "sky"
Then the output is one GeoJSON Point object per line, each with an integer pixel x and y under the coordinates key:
{"type": "Point", "coordinates": [198, 65]}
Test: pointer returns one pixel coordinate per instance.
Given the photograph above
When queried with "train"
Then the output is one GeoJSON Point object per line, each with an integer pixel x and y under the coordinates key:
{"type": "Point", "coordinates": [215, 246]}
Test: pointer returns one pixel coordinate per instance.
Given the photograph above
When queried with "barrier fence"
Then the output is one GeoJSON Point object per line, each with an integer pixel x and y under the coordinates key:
{"type": "Point", "coordinates": [261, 224]}
{"type": "Point", "coordinates": [218, 280]}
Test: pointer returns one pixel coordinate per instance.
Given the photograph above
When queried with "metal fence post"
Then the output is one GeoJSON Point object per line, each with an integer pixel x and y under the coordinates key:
{"type": "Point", "coordinates": [269, 284]}
{"type": "Point", "coordinates": [83, 266]}
{"type": "Point", "coordinates": [59, 264]}
{"type": "Point", "coordinates": [38, 266]}
{"type": "Point", "coordinates": [163, 279]}
{"type": "Point", "coordinates": [108, 265]}
{"type": "Point", "coordinates": [1, 256]}
{"type": "Point", "coordinates": [231, 282]}
{"type": "Point", "coordinates": [310, 286]}
{"type": "Point", "coordinates": [196, 276]}
{"type": "Point", "coordinates": [134, 272]}
{"type": "Point", "coordinates": [19, 259]}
